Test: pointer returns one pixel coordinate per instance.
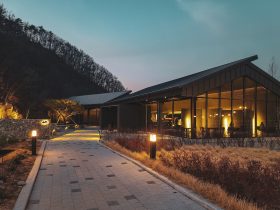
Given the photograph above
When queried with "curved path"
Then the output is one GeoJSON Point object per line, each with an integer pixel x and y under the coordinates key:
{"type": "Point", "coordinates": [80, 174]}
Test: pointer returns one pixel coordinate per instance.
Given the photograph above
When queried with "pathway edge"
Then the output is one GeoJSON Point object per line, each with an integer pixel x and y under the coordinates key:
{"type": "Point", "coordinates": [24, 195]}
{"type": "Point", "coordinates": [186, 192]}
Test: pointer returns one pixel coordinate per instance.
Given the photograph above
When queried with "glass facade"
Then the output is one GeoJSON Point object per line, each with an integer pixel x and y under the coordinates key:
{"type": "Point", "coordinates": [91, 116]}
{"type": "Point", "coordinates": [151, 116]}
{"type": "Point", "coordinates": [239, 108]}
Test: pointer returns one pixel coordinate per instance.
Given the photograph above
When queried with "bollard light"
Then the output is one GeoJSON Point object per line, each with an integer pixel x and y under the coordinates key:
{"type": "Point", "coordinates": [153, 146]}
{"type": "Point", "coordinates": [34, 133]}
{"type": "Point", "coordinates": [33, 141]}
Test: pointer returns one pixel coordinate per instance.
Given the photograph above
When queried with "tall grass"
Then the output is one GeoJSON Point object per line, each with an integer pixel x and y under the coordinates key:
{"type": "Point", "coordinates": [247, 173]}
{"type": "Point", "coordinates": [211, 191]}
{"type": "Point", "coordinates": [253, 180]}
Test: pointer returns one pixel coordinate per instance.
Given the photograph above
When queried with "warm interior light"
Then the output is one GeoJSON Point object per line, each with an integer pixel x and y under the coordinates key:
{"type": "Point", "coordinates": [34, 133]}
{"type": "Point", "coordinates": [153, 137]}
{"type": "Point", "coordinates": [253, 127]}
{"type": "Point", "coordinates": [226, 125]}
{"type": "Point", "coordinates": [188, 122]}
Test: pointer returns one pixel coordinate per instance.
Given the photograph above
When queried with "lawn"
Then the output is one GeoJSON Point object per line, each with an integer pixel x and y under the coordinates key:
{"type": "Point", "coordinates": [233, 178]}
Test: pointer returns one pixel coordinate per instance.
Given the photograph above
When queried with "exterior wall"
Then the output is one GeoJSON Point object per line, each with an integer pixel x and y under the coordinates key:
{"type": "Point", "coordinates": [91, 116]}
{"type": "Point", "coordinates": [108, 117]}
{"type": "Point", "coordinates": [131, 117]}
{"type": "Point", "coordinates": [21, 129]}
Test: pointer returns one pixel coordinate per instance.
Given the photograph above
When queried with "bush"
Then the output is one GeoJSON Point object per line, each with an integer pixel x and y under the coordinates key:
{"type": "Point", "coordinates": [253, 180]}
{"type": "Point", "coordinates": [135, 145]}
{"type": "Point", "coordinates": [5, 140]}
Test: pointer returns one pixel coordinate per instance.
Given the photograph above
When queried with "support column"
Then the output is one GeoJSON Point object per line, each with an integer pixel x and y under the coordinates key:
{"type": "Point", "coordinates": [243, 105]}
{"type": "Point", "coordinates": [172, 112]}
{"type": "Point", "coordinates": [220, 112]}
{"type": "Point", "coordinates": [193, 117]}
{"type": "Point", "coordinates": [159, 106]}
{"type": "Point", "coordinates": [146, 121]}
{"type": "Point", "coordinates": [266, 96]}
{"type": "Point", "coordinates": [256, 109]}
{"type": "Point", "coordinates": [206, 114]}
{"type": "Point", "coordinates": [231, 110]}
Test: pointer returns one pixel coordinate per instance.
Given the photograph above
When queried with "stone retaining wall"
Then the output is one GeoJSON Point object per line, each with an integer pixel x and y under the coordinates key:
{"type": "Point", "coordinates": [21, 129]}
{"type": "Point", "coordinates": [272, 143]}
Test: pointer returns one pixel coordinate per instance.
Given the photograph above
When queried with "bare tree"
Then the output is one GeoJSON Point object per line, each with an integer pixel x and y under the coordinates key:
{"type": "Point", "coordinates": [273, 68]}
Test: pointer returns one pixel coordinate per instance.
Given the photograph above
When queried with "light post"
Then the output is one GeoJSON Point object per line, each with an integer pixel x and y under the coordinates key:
{"type": "Point", "coordinates": [33, 141]}
{"type": "Point", "coordinates": [153, 146]}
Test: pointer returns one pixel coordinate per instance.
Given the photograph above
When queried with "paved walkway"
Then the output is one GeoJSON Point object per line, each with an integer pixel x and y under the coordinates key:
{"type": "Point", "coordinates": [80, 174]}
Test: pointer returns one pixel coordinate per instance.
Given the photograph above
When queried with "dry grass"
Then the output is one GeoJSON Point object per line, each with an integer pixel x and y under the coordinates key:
{"type": "Point", "coordinates": [212, 192]}
{"type": "Point", "coordinates": [242, 154]}
{"type": "Point", "coordinates": [16, 167]}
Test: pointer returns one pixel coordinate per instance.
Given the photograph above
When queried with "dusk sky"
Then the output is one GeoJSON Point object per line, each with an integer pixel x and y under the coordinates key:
{"type": "Point", "coordinates": [145, 42]}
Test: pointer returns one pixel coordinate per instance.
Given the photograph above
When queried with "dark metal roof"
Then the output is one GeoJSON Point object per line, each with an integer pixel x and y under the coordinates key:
{"type": "Point", "coordinates": [183, 81]}
{"type": "Point", "coordinates": [98, 99]}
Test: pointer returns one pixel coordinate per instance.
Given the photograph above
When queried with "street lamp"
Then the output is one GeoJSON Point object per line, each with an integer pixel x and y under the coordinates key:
{"type": "Point", "coordinates": [153, 146]}
{"type": "Point", "coordinates": [33, 141]}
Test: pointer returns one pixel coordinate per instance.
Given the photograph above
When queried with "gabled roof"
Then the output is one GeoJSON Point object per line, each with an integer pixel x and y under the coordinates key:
{"type": "Point", "coordinates": [98, 99]}
{"type": "Point", "coordinates": [183, 81]}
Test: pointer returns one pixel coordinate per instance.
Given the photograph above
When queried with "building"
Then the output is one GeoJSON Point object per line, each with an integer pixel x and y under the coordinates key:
{"type": "Point", "coordinates": [92, 104]}
{"type": "Point", "coordinates": [237, 99]}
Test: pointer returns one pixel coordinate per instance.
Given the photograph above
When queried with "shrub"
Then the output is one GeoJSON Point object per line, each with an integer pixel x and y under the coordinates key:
{"type": "Point", "coordinates": [4, 140]}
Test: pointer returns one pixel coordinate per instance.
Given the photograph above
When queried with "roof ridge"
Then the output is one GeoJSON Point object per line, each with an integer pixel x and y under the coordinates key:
{"type": "Point", "coordinates": [247, 59]}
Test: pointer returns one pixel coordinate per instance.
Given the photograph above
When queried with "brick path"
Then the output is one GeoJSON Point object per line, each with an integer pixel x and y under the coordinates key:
{"type": "Point", "coordinates": [78, 173]}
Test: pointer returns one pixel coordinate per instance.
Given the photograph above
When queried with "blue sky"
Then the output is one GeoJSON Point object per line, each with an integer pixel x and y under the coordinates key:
{"type": "Point", "coordinates": [145, 42]}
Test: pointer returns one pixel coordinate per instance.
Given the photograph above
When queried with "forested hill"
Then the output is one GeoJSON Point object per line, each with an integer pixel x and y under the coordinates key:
{"type": "Point", "coordinates": [35, 64]}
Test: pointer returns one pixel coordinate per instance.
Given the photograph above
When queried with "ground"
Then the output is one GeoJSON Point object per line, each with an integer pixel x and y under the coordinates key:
{"type": "Point", "coordinates": [79, 173]}
{"type": "Point", "coordinates": [14, 171]}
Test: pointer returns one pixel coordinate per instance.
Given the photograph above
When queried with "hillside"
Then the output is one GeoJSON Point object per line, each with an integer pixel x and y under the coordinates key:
{"type": "Point", "coordinates": [36, 65]}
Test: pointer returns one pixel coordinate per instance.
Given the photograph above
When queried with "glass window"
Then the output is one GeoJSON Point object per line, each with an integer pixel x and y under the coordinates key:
{"type": "Point", "coordinates": [249, 107]}
{"type": "Point", "coordinates": [213, 113]}
{"type": "Point", "coordinates": [261, 110]}
{"type": "Point", "coordinates": [167, 115]}
{"type": "Point", "coordinates": [152, 116]}
{"type": "Point", "coordinates": [237, 106]}
{"type": "Point", "coordinates": [225, 109]}
{"type": "Point", "coordinates": [201, 116]}
{"type": "Point", "coordinates": [182, 111]}
{"type": "Point", "coordinates": [94, 116]}
{"type": "Point", "coordinates": [271, 113]}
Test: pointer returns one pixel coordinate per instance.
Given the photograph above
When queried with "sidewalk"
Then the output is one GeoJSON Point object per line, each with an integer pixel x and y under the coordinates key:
{"type": "Point", "coordinates": [81, 174]}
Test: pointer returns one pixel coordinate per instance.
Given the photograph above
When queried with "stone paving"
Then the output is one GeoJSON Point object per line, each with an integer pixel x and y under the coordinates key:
{"type": "Point", "coordinates": [80, 174]}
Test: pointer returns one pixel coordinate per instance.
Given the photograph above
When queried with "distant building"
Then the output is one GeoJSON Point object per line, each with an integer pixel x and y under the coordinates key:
{"type": "Point", "coordinates": [92, 104]}
{"type": "Point", "coordinates": [237, 99]}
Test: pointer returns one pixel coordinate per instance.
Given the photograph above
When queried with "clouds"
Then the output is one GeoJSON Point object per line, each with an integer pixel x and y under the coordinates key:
{"type": "Point", "coordinates": [209, 14]}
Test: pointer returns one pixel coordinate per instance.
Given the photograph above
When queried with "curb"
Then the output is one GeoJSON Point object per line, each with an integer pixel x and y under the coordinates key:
{"type": "Point", "coordinates": [22, 200]}
{"type": "Point", "coordinates": [188, 193]}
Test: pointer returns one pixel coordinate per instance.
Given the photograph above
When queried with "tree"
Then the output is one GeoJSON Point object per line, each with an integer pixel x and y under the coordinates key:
{"type": "Point", "coordinates": [64, 109]}
{"type": "Point", "coordinates": [71, 55]}
{"type": "Point", "coordinates": [273, 69]}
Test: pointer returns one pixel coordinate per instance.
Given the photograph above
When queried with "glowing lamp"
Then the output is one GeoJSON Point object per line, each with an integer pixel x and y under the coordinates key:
{"type": "Point", "coordinates": [33, 142]}
{"type": "Point", "coordinates": [44, 122]}
{"type": "Point", "coordinates": [153, 146]}
{"type": "Point", "coordinates": [153, 137]}
{"type": "Point", "coordinates": [34, 133]}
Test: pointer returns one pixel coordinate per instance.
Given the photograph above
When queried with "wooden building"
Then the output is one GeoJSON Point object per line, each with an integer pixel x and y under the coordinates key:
{"type": "Point", "coordinates": [92, 104]}
{"type": "Point", "coordinates": [237, 99]}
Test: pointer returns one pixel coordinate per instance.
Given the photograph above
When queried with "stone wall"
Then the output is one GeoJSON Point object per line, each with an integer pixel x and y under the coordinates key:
{"type": "Point", "coordinates": [272, 143]}
{"type": "Point", "coordinates": [21, 129]}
